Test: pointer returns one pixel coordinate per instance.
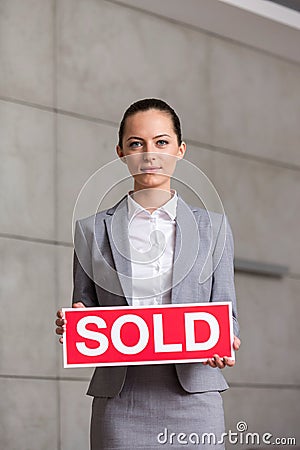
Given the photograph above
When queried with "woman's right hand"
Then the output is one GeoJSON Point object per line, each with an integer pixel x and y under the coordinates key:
{"type": "Point", "coordinates": [61, 322]}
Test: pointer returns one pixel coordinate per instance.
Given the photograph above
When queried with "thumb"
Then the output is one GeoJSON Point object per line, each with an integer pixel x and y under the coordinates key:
{"type": "Point", "coordinates": [78, 305]}
{"type": "Point", "coordinates": [236, 343]}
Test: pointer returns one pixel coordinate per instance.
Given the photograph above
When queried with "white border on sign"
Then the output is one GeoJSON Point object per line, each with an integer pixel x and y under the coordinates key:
{"type": "Point", "coordinates": [153, 362]}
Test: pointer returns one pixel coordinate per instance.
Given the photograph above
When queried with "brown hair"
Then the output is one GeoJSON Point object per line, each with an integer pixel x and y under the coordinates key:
{"type": "Point", "coordinates": [145, 105]}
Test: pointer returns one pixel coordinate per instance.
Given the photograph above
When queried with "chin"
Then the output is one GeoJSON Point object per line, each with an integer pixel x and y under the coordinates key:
{"type": "Point", "coordinates": [151, 180]}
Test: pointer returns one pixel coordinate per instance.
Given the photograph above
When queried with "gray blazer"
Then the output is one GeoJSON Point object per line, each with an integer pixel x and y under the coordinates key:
{"type": "Point", "coordinates": [102, 277]}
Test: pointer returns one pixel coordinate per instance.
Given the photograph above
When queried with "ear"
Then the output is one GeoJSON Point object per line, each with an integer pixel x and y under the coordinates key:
{"type": "Point", "coordinates": [181, 150]}
{"type": "Point", "coordinates": [121, 154]}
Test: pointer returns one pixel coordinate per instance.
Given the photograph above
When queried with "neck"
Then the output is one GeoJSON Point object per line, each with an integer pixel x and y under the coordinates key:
{"type": "Point", "coordinates": [151, 199]}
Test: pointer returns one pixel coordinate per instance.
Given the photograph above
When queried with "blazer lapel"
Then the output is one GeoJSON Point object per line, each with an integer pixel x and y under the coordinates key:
{"type": "Point", "coordinates": [187, 241]}
{"type": "Point", "coordinates": [117, 230]}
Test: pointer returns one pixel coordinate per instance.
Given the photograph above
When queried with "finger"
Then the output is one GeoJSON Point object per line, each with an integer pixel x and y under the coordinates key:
{"type": "Point", "coordinates": [219, 363]}
{"type": "Point", "coordinates": [61, 340]}
{"type": "Point", "coordinates": [60, 330]}
{"type": "Point", "coordinates": [229, 362]}
{"type": "Point", "coordinates": [78, 305]}
{"type": "Point", "coordinates": [60, 314]}
{"type": "Point", "coordinates": [60, 322]}
{"type": "Point", "coordinates": [205, 363]}
{"type": "Point", "coordinates": [236, 343]}
{"type": "Point", "coordinates": [211, 363]}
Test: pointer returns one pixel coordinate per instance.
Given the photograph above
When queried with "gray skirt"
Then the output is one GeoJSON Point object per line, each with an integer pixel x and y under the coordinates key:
{"type": "Point", "coordinates": [154, 411]}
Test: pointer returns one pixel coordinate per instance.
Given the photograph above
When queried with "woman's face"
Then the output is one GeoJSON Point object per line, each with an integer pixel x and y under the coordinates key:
{"type": "Point", "coordinates": [150, 149]}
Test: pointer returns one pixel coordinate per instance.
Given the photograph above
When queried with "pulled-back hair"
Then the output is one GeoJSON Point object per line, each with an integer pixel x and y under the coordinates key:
{"type": "Point", "coordinates": [145, 105]}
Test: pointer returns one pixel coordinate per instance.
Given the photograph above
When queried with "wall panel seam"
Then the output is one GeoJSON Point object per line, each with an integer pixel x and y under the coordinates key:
{"type": "Point", "coordinates": [290, 275]}
{"type": "Point", "coordinates": [195, 143]}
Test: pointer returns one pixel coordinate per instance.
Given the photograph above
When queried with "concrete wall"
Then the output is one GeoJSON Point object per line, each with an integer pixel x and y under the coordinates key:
{"type": "Point", "coordinates": [68, 70]}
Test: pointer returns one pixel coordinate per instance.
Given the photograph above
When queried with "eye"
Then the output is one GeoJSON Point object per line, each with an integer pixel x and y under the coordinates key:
{"type": "Point", "coordinates": [162, 142]}
{"type": "Point", "coordinates": [135, 144]}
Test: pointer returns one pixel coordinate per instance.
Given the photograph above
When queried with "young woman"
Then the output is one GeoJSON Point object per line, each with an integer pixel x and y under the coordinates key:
{"type": "Point", "coordinates": [164, 404]}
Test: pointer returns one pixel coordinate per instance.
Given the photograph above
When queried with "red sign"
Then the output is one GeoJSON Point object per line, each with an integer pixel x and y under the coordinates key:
{"type": "Point", "coordinates": [112, 336]}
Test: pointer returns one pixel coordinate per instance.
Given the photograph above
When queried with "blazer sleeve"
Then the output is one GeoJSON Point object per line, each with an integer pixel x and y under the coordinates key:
{"type": "Point", "coordinates": [223, 289]}
{"type": "Point", "coordinates": [84, 289]}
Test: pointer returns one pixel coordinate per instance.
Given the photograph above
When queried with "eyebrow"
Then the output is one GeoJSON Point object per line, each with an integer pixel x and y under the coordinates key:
{"type": "Point", "coordinates": [141, 139]}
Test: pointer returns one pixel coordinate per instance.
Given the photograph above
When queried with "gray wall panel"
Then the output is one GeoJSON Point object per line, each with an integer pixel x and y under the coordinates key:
{"type": "Point", "coordinates": [27, 50]}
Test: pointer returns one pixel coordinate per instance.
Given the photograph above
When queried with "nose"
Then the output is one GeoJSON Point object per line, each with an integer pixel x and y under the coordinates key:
{"type": "Point", "coordinates": [148, 156]}
{"type": "Point", "coordinates": [148, 152]}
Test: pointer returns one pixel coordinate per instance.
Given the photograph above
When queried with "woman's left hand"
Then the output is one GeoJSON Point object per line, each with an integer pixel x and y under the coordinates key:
{"type": "Point", "coordinates": [216, 361]}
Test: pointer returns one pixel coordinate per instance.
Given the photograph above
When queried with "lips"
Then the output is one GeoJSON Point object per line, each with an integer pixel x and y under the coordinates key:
{"type": "Point", "coordinates": [150, 169]}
